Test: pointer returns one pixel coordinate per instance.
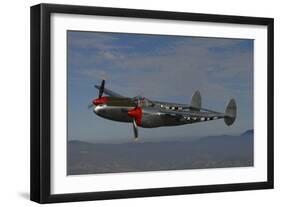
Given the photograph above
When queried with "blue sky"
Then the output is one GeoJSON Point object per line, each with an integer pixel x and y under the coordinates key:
{"type": "Point", "coordinates": [159, 67]}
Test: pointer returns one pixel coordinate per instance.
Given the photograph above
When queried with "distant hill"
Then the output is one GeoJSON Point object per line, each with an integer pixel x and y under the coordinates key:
{"type": "Point", "coordinates": [206, 152]}
{"type": "Point", "coordinates": [249, 132]}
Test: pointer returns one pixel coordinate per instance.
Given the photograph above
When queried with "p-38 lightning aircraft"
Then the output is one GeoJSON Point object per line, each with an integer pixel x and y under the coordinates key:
{"type": "Point", "coordinates": [146, 113]}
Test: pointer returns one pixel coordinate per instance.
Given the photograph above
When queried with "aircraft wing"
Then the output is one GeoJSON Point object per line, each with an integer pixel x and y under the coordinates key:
{"type": "Point", "coordinates": [109, 92]}
{"type": "Point", "coordinates": [170, 105]}
{"type": "Point", "coordinates": [184, 113]}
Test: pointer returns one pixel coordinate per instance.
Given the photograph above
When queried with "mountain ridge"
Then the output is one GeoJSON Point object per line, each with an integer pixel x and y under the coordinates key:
{"type": "Point", "coordinates": [207, 152]}
{"type": "Point", "coordinates": [246, 132]}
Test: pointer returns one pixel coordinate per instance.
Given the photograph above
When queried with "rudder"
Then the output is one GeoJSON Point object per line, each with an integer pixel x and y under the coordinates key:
{"type": "Point", "coordinates": [195, 104]}
{"type": "Point", "coordinates": [230, 112]}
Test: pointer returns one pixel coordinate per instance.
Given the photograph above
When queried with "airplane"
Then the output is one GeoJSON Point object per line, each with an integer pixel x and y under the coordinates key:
{"type": "Point", "coordinates": [142, 112]}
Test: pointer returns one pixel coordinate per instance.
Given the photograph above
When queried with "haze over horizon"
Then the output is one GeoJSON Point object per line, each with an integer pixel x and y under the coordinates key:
{"type": "Point", "coordinates": [207, 152]}
{"type": "Point", "coordinates": [163, 139]}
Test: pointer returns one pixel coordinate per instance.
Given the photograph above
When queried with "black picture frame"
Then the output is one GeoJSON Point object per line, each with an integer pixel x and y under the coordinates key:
{"type": "Point", "coordinates": [41, 98]}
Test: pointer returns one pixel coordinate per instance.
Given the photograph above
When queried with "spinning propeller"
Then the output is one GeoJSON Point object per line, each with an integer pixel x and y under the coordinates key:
{"type": "Point", "coordinates": [101, 90]}
{"type": "Point", "coordinates": [136, 114]}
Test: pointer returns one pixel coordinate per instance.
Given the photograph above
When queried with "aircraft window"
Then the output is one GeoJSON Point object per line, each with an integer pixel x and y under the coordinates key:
{"type": "Point", "coordinates": [146, 102]}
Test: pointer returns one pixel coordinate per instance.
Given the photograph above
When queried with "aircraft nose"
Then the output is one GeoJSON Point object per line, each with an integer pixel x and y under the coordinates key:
{"type": "Point", "coordinates": [100, 109]}
{"type": "Point", "coordinates": [97, 109]}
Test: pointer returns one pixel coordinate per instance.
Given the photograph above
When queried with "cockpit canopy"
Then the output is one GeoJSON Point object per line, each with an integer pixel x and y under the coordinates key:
{"type": "Point", "coordinates": [142, 101]}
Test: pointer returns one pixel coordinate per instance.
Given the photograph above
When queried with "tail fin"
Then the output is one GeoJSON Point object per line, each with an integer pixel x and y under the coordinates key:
{"type": "Point", "coordinates": [195, 104]}
{"type": "Point", "coordinates": [230, 113]}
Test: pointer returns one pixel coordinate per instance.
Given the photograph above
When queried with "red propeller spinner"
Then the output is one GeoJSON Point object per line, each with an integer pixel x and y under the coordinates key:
{"type": "Point", "coordinates": [136, 113]}
{"type": "Point", "coordinates": [101, 100]}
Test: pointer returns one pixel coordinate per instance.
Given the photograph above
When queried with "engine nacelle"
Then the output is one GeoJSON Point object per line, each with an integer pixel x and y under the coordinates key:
{"type": "Point", "coordinates": [151, 118]}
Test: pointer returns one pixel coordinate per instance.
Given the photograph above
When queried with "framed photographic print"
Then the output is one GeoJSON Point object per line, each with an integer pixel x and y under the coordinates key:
{"type": "Point", "coordinates": [133, 103]}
